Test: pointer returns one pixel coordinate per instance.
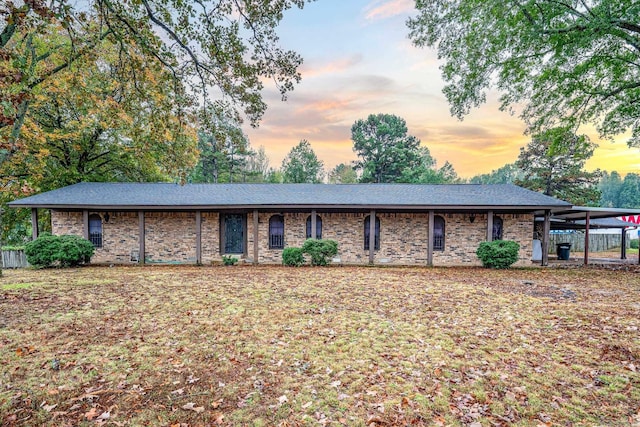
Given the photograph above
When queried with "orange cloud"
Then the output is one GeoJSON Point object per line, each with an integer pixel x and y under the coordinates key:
{"type": "Point", "coordinates": [331, 68]}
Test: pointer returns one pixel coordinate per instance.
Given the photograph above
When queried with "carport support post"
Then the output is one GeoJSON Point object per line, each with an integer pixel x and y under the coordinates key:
{"type": "Point", "coordinates": [489, 226]}
{"type": "Point", "coordinates": [587, 224]}
{"type": "Point", "coordinates": [141, 237]}
{"type": "Point", "coordinates": [430, 240]}
{"type": "Point", "coordinates": [623, 247]}
{"type": "Point", "coordinates": [372, 235]}
{"type": "Point", "coordinates": [34, 223]}
{"type": "Point", "coordinates": [545, 237]}
{"type": "Point", "coordinates": [313, 224]}
{"type": "Point", "coordinates": [198, 237]}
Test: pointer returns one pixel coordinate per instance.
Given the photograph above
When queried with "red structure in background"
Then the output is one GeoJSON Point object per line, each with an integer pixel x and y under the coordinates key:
{"type": "Point", "coordinates": [632, 218]}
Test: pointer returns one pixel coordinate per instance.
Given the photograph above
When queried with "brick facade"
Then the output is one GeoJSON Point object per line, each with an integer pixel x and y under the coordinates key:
{"type": "Point", "coordinates": [170, 237]}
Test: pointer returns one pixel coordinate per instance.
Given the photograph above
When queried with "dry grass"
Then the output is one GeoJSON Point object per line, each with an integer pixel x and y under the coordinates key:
{"type": "Point", "coordinates": [319, 346]}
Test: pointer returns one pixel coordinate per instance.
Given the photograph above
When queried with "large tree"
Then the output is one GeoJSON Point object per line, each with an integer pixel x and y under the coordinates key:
{"type": "Point", "coordinates": [428, 172]}
{"type": "Point", "coordinates": [222, 50]}
{"type": "Point", "coordinates": [553, 164]}
{"type": "Point", "coordinates": [301, 165]}
{"type": "Point", "coordinates": [567, 62]}
{"type": "Point", "coordinates": [343, 174]}
{"type": "Point", "coordinates": [610, 185]}
{"type": "Point", "coordinates": [506, 174]}
{"type": "Point", "coordinates": [629, 196]}
{"type": "Point", "coordinates": [384, 148]}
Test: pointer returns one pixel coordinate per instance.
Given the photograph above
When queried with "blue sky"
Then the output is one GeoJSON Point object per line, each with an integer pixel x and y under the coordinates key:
{"type": "Point", "coordinates": [359, 61]}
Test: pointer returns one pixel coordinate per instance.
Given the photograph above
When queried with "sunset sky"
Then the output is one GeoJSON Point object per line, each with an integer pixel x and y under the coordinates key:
{"type": "Point", "coordinates": [359, 61]}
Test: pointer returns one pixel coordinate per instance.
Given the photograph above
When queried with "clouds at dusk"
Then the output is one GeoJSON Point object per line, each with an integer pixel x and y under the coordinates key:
{"type": "Point", "coordinates": [359, 61]}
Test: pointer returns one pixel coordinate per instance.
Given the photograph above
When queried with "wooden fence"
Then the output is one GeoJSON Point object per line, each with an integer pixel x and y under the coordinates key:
{"type": "Point", "coordinates": [597, 242]}
{"type": "Point", "coordinates": [14, 259]}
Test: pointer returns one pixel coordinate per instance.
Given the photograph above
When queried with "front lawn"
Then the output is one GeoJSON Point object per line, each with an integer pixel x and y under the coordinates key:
{"type": "Point", "coordinates": [319, 346]}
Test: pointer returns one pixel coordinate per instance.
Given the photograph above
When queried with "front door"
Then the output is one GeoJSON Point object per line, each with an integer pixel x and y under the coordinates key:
{"type": "Point", "coordinates": [233, 229]}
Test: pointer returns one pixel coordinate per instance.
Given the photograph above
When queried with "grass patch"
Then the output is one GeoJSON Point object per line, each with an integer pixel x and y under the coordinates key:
{"type": "Point", "coordinates": [351, 346]}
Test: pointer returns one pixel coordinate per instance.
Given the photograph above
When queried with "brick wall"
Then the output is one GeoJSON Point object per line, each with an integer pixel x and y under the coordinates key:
{"type": "Point", "coordinates": [171, 236]}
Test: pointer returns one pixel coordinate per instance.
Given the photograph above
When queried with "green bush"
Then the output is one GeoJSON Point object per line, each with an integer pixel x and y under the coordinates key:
{"type": "Point", "coordinates": [66, 250]}
{"type": "Point", "coordinates": [292, 257]}
{"type": "Point", "coordinates": [74, 250]}
{"type": "Point", "coordinates": [633, 244]}
{"type": "Point", "coordinates": [498, 254]}
{"type": "Point", "coordinates": [229, 260]}
{"type": "Point", "coordinates": [320, 250]}
{"type": "Point", "coordinates": [43, 251]}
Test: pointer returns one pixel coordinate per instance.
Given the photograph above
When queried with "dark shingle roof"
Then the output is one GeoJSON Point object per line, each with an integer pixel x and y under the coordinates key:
{"type": "Point", "coordinates": [174, 196]}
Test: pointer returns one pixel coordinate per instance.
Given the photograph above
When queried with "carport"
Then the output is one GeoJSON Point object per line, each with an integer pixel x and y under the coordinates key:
{"type": "Point", "coordinates": [587, 218]}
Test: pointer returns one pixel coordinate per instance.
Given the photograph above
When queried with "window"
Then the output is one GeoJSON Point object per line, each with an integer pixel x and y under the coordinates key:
{"type": "Point", "coordinates": [95, 230]}
{"type": "Point", "coordinates": [318, 227]}
{"type": "Point", "coordinates": [497, 228]}
{"type": "Point", "coordinates": [376, 237]}
{"type": "Point", "coordinates": [276, 232]}
{"type": "Point", "coordinates": [438, 233]}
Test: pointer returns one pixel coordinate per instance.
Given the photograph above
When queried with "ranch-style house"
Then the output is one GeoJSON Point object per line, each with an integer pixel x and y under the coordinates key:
{"type": "Point", "coordinates": [397, 224]}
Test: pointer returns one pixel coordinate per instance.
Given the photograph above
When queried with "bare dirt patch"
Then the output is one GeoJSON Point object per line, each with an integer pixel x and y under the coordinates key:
{"type": "Point", "coordinates": [319, 346]}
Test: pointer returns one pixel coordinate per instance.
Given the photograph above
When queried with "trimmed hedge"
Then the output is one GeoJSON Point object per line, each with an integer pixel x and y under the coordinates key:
{"type": "Point", "coordinates": [498, 254]}
{"type": "Point", "coordinates": [292, 257]}
{"type": "Point", "coordinates": [320, 250]}
{"type": "Point", "coordinates": [67, 251]}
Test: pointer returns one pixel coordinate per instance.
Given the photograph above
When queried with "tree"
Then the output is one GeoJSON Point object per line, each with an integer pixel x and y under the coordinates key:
{"type": "Point", "coordinates": [553, 164]}
{"type": "Point", "coordinates": [610, 185]}
{"type": "Point", "coordinates": [630, 191]}
{"type": "Point", "coordinates": [506, 174]}
{"type": "Point", "coordinates": [111, 119]}
{"type": "Point", "coordinates": [343, 174]}
{"type": "Point", "coordinates": [257, 168]}
{"type": "Point", "coordinates": [568, 62]}
{"type": "Point", "coordinates": [427, 171]}
{"type": "Point", "coordinates": [222, 50]}
{"type": "Point", "coordinates": [384, 148]}
{"type": "Point", "coordinates": [302, 165]}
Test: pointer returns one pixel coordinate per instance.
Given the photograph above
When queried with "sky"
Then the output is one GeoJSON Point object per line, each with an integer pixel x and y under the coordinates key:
{"type": "Point", "coordinates": [358, 61]}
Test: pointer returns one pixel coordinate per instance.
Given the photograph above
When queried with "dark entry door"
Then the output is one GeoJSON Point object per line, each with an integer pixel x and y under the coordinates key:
{"type": "Point", "coordinates": [234, 225]}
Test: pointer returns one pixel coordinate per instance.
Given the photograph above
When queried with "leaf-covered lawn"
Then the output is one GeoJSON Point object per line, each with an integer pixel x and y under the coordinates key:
{"type": "Point", "coordinates": [319, 346]}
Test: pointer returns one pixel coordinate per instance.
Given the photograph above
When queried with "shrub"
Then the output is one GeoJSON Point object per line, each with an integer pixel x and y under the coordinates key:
{"type": "Point", "coordinates": [320, 250]}
{"type": "Point", "coordinates": [74, 250]}
{"type": "Point", "coordinates": [43, 251]}
{"type": "Point", "coordinates": [498, 254]}
{"type": "Point", "coordinates": [67, 250]}
{"type": "Point", "coordinates": [229, 260]}
{"type": "Point", "coordinates": [633, 244]}
{"type": "Point", "coordinates": [292, 257]}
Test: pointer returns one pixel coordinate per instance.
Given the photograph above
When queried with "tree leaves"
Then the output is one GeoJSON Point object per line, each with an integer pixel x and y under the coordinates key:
{"type": "Point", "coordinates": [569, 63]}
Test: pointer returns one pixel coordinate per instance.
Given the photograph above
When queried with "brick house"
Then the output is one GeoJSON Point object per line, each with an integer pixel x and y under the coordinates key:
{"type": "Point", "coordinates": [199, 223]}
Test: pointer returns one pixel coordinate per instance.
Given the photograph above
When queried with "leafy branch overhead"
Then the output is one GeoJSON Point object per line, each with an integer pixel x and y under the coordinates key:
{"type": "Point", "coordinates": [221, 51]}
{"type": "Point", "coordinates": [567, 62]}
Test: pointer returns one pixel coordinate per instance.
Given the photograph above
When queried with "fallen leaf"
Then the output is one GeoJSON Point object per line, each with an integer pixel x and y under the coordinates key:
{"type": "Point", "coordinates": [306, 405]}
{"type": "Point", "coordinates": [192, 407]}
{"type": "Point", "coordinates": [104, 416]}
{"type": "Point", "coordinates": [336, 383]}
{"type": "Point", "coordinates": [178, 391]}
{"type": "Point", "coordinates": [48, 408]}
{"type": "Point", "coordinates": [93, 412]}
{"type": "Point", "coordinates": [283, 399]}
